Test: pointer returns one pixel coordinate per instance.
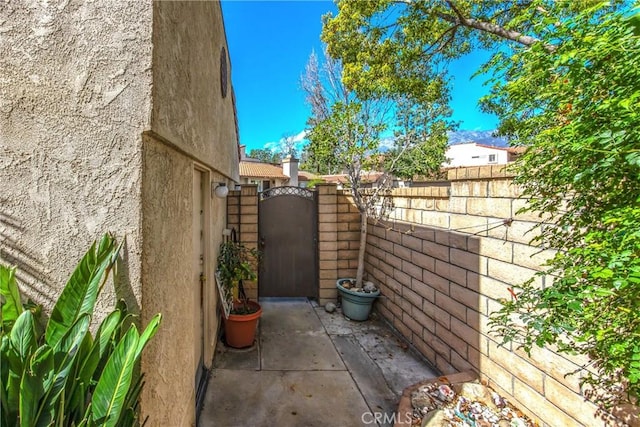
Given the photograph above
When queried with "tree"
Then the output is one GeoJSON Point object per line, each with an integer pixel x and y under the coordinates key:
{"type": "Point", "coordinates": [288, 145]}
{"type": "Point", "coordinates": [345, 134]}
{"type": "Point", "coordinates": [566, 86]}
{"type": "Point", "coordinates": [404, 46]}
{"type": "Point", "coordinates": [577, 111]}
{"type": "Point", "coordinates": [265, 155]}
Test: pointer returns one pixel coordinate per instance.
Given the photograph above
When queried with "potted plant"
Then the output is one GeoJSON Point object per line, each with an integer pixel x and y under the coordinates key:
{"type": "Point", "coordinates": [237, 262]}
{"type": "Point", "coordinates": [357, 301]}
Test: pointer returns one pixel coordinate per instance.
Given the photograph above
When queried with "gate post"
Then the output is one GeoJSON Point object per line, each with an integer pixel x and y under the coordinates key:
{"type": "Point", "coordinates": [248, 229]}
{"type": "Point", "coordinates": [327, 242]}
{"type": "Point", "coordinates": [242, 214]}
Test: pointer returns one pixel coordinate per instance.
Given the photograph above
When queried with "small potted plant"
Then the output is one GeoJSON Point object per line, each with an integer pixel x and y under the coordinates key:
{"type": "Point", "coordinates": [236, 263]}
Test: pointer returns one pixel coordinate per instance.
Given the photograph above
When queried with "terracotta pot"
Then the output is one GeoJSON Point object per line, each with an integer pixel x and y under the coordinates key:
{"type": "Point", "coordinates": [240, 329]}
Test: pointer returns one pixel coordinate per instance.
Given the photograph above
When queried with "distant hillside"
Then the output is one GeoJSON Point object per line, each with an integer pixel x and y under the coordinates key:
{"type": "Point", "coordinates": [479, 136]}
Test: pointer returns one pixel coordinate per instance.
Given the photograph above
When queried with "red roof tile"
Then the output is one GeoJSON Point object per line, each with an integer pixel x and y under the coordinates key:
{"type": "Point", "coordinates": [261, 170]}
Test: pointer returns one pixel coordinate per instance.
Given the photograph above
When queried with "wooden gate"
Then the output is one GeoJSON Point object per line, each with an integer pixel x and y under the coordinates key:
{"type": "Point", "coordinates": [288, 233]}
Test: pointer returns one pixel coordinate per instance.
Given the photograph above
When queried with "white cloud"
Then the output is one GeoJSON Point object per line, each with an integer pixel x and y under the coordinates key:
{"type": "Point", "coordinates": [299, 140]}
{"type": "Point", "coordinates": [300, 137]}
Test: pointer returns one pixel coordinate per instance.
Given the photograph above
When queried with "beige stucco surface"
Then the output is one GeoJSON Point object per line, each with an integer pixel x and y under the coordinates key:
{"type": "Point", "coordinates": [106, 110]}
{"type": "Point", "coordinates": [75, 96]}
{"type": "Point", "coordinates": [168, 285]}
{"type": "Point", "coordinates": [188, 107]}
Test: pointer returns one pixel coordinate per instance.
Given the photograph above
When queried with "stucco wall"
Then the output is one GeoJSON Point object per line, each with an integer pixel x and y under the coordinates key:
{"type": "Point", "coordinates": [79, 84]}
{"type": "Point", "coordinates": [471, 154]}
{"type": "Point", "coordinates": [188, 107]}
{"type": "Point", "coordinates": [168, 286]}
{"type": "Point", "coordinates": [75, 92]}
{"type": "Point", "coordinates": [192, 128]}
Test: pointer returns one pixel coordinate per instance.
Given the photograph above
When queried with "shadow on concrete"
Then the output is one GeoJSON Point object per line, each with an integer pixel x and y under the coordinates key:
{"type": "Point", "coordinates": [311, 368]}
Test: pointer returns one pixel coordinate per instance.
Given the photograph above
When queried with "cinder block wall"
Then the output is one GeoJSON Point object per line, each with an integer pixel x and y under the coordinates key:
{"type": "Point", "coordinates": [242, 214]}
{"type": "Point", "coordinates": [338, 239]}
{"type": "Point", "coordinates": [444, 260]}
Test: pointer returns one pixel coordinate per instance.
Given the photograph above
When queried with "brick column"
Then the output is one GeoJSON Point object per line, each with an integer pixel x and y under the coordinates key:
{"type": "Point", "coordinates": [248, 228]}
{"type": "Point", "coordinates": [327, 242]}
{"type": "Point", "coordinates": [233, 210]}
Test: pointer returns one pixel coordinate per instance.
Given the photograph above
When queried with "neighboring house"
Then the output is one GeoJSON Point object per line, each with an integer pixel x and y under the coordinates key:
{"type": "Point", "coordinates": [474, 154]}
{"type": "Point", "coordinates": [120, 117]}
{"type": "Point", "coordinates": [264, 175]}
{"type": "Point", "coordinates": [268, 175]}
{"type": "Point", "coordinates": [304, 178]}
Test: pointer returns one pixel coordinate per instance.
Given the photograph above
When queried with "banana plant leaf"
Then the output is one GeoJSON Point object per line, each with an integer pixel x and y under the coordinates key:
{"type": "Point", "coordinates": [64, 355]}
{"type": "Point", "coordinates": [12, 307]}
{"type": "Point", "coordinates": [81, 291]}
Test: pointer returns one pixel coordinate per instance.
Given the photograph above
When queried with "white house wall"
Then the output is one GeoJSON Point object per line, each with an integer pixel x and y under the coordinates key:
{"type": "Point", "coordinates": [474, 155]}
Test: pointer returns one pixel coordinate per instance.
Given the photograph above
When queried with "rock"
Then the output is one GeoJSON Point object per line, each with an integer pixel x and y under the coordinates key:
{"type": "Point", "coordinates": [446, 393]}
{"type": "Point", "coordinates": [422, 402]}
{"type": "Point", "coordinates": [329, 307]}
{"type": "Point", "coordinates": [475, 392]}
{"type": "Point", "coordinates": [435, 419]}
{"type": "Point", "coordinates": [369, 287]}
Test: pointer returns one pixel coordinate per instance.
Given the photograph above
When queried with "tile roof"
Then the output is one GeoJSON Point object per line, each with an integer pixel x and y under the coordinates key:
{"type": "Point", "coordinates": [261, 170]}
{"type": "Point", "coordinates": [307, 176]}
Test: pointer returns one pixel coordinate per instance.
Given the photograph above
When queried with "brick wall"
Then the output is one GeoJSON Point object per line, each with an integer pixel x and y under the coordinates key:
{"type": "Point", "coordinates": [443, 261]}
{"type": "Point", "coordinates": [338, 239]}
{"type": "Point", "coordinates": [242, 215]}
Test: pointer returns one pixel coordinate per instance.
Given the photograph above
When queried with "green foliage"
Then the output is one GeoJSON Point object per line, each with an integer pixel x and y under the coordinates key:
{"type": "Point", "coordinates": [420, 141]}
{"type": "Point", "coordinates": [576, 108]}
{"type": "Point", "coordinates": [236, 262]}
{"type": "Point", "coordinates": [566, 85]}
{"type": "Point", "coordinates": [62, 375]}
{"type": "Point", "coordinates": [265, 155]}
{"type": "Point", "coordinates": [403, 47]}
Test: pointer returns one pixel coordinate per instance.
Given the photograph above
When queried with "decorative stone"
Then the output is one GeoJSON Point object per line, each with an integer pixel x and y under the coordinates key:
{"type": "Point", "coordinates": [475, 392]}
{"type": "Point", "coordinates": [469, 403]}
{"type": "Point", "coordinates": [369, 287]}
{"type": "Point", "coordinates": [329, 307]}
{"type": "Point", "coordinates": [435, 419]}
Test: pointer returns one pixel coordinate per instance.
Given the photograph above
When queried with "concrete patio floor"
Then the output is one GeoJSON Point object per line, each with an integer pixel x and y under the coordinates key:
{"type": "Point", "coordinates": [311, 368]}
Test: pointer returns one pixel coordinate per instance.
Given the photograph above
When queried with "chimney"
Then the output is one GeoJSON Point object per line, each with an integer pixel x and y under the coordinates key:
{"type": "Point", "coordinates": [290, 169]}
{"type": "Point", "coordinates": [243, 152]}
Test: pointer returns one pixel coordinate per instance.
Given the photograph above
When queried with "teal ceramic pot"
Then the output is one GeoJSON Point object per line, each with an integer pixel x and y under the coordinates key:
{"type": "Point", "coordinates": [356, 305]}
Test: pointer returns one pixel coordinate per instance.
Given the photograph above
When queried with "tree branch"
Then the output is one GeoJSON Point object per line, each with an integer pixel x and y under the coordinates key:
{"type": "Point", "coordinates": [490, 28]}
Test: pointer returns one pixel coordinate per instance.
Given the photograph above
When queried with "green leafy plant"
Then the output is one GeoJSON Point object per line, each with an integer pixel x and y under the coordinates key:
{"type": "Point", "coordinates": [236, 262]}
{"type": "Point", "coordinates": [346, 131]}
{"type": "Point", "coordinates": [59, 374]}
{"type": "Point", "coordinates": [576, 108]}
{"type": "Point", "coordinates": [565, 85]}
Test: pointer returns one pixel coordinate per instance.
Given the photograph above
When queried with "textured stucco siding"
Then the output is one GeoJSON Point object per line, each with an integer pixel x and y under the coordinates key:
{"type": "Point", "coordinates": [169, 392]}
{"type": "Point", "coordinates": [192, 128]}
{"type": "Point", "coordinates": [106, 110]}
{"type": "Point", "coordinates": [75, 97]}
{"type": "Point", "coordinates": [188, 107]}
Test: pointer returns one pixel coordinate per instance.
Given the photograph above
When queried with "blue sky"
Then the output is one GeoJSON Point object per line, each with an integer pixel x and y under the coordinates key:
{"type": "Point", "coordinates": [269, 45]}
